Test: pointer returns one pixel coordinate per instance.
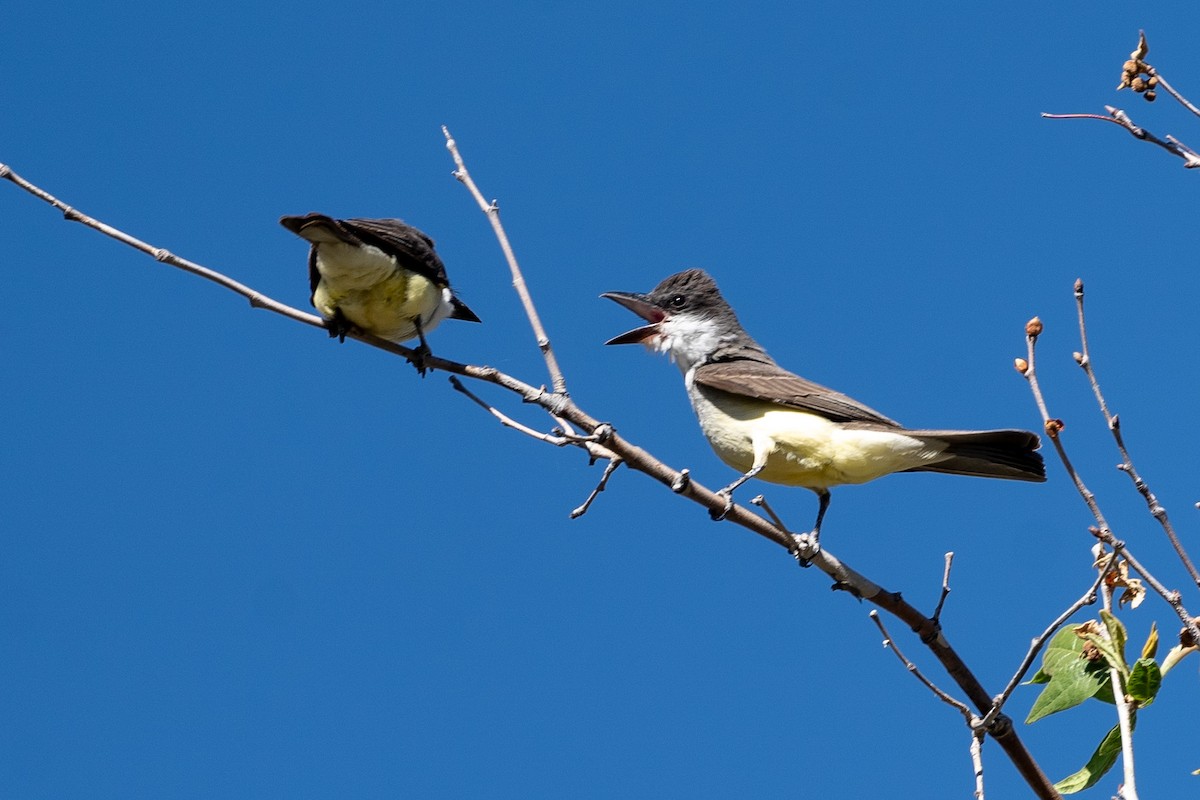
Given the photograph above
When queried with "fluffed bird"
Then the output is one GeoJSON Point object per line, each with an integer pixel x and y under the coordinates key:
{"type": "Point", "coordinates": [379, 276]}
{"type": "Point", "coordinates": [771, 424]}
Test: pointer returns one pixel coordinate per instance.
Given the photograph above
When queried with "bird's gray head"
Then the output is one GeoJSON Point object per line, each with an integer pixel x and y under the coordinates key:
{"type": "Point", "coordinates": [689, 319]}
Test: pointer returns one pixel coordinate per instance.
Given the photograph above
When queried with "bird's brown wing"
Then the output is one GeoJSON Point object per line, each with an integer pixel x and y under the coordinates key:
{"type": "Point", "coordinates": [773, 384]}
{"type": "Point", "coordinates": [411, 247]}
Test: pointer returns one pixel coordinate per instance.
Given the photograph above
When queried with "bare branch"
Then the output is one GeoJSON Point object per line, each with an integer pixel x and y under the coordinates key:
{"type": "Point", "coordinates": [609, 469]}
{"type": "Point", "coordinates": [977, 761]}
{"type": "Point", "coordinates": [1172, 145]}
{"type": "Point", "coordinates": [1054, 427]}
{"type": "Point", "coordinates": [559, 405]}
{"type": "Point", "coordinates": [888, 642]}
{"type": "Point", "coordinates": [507, 421]}
{"type": "Point", "coordinates": [492, 210]}
{"type": "Point", "coordinates": [1171, 90]}
{"type": "Point", "coordinates": [978, 726]}
{"type": "Point", "coordinates": [1084, 359]}
{"type": "Point", "coordinates": [937, 612]}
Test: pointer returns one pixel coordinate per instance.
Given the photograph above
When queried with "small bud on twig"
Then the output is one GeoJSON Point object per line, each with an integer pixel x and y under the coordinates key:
{"type": "Point", "coordinates": [1078, 357]}
{"type": "Point", "coordinates": [1053, 427]}
{"type": "Point", "coordinates": [1021, 365]}
{"type": "Point", "coordinates": [1034, 327]}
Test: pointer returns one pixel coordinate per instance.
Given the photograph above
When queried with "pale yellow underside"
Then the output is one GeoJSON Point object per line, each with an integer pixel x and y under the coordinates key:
{"type": "Point", "coordinates": [369, 289]}
{"type": "Point", "coordinates": [802, 449]}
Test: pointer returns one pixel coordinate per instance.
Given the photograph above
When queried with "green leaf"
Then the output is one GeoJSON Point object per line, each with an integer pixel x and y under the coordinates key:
{"type": "Point", "coordinates": [1144, 681]}
{"type": "Point", "coordinates": [1118, 636]}
{"type": "Point", "coordinates": [1071, 677]}
{"type": "Point", "coordinates": [1150, 648]}
{"type": "Point", "coordinates": [1101, 762]}
{"type": "Point", "coordinates": [1041, 677]}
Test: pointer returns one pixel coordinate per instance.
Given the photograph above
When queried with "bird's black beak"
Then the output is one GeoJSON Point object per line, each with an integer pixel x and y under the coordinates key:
{"type": "Point", "coordinates": [639, 304]}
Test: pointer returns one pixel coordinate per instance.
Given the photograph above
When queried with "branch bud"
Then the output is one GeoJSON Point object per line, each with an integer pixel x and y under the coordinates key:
{"type": "Point", "coordinates": [1185, 636]}
{"type": "Point", "coordinates": [1150, 95]}
{"type": "Point", "coordinates": [1078, 358]}
{"type": "Point", "coordinates": [1021, 365]}
{"type": "Point", "coordinates": [1138, 84]}
{"type": "Point", "coordinates": [1079, 286]}
{"type": "Point", "coordinates": [1054, 427]}
{"type": "Point", "coordinates": [1130, 66]}
{"type": "Point", "coordinates": [1034, 327]}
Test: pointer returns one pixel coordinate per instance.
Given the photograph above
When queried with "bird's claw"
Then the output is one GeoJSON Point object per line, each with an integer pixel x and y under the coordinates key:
{"type": "Point", "coordinates": [717, 516]}
{"type": "Point", "coordinates": [418, 358]}
{"type": "Point", "coordinates": [806, 548]}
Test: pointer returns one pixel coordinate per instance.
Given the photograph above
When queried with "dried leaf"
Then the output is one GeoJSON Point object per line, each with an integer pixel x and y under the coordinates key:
{"type": "Point", "coordinates": [1143, 49]}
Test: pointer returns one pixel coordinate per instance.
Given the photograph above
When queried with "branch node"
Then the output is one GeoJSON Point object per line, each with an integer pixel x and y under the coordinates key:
{"type": "Point", "coordinates": [684, 479]}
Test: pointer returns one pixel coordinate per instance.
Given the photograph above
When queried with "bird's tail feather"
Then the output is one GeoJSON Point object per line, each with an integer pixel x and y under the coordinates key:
{"type": "Point", "coordinates": [988, 454]}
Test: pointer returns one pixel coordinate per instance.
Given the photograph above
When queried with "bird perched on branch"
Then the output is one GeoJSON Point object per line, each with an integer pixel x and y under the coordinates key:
{"type": "Point", "coordinates": [771, 424]}
{"type": "Point", "coordinates": [379, 276]}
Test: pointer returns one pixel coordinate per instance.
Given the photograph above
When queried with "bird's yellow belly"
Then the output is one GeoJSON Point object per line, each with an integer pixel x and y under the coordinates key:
{"type": "Point", "coordinates": [371, 292]}
{"type": "Point", "coordinates": [800, 448]}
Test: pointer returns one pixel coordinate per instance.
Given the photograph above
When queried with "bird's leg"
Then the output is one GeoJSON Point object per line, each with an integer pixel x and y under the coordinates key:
{"type": "Point", "coordinates": [727, 492]}
{"type": "Point", "coordinates": [417, 359]}
{"type": "Point", "coordinates": [808, 544]}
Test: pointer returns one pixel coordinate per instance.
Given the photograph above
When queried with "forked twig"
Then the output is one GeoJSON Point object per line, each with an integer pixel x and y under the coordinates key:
{"type": "Point", "coordinates": [976, 725]}
{"type": "Point", "coordinates": [1191, 159]}
{"type": "Point", "coordinates": [492, 210]}
{"type": "Point", "coordinates": [1084, 360]}
{"type": "Point", "coordinates": [609, 469]}
{"type": "Point", "coordinates": [937, 612]}
{"type": "Point", "coordinates": [1054, 427]}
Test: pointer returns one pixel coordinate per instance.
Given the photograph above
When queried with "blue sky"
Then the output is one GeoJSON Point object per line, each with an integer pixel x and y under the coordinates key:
{"type": "Point", "coordinates": [240, 560]}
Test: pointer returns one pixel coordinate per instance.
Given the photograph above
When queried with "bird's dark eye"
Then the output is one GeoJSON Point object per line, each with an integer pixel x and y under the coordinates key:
{"type": "Point", "coordinates": [678, 301]}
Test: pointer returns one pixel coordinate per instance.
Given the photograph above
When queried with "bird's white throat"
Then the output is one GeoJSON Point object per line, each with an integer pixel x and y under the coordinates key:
{"type": "Point", "coordinates": [689, 339]}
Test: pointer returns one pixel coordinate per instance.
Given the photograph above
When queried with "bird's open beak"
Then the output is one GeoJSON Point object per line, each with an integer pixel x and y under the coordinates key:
{"type": "Point", "coordinates": [639, 304]}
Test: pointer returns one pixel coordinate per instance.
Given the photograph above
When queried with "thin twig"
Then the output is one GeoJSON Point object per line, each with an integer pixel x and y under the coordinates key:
{"type": "Point", "coordinates": [1172, 145]}
{"type": "Point", "coordinates": [507, 421]}
{"type": "Point", "coordinates": [1036, 645]}
{"type": "Point", "coordinates": [1084, 359]}
{"type": "Point", "coordinates": [1053, 427]}
{"type": "Point", "coordinates": [977, 760]}
{"type": "Point", "coordinates": [609, 468]}
{"type": "Point", "coordinates": [976, 725]}
{"type": "Point", "coordinates": [761, 501]}
{"type": "Point", "coordinates": [1103, 531]}
{"type": "Point", "coordinates": [937, 612]}
{"type": "Point", "coordinates": [1124, 714]}
{"type": "Point", "coordinates": [1173, 597]}
{"type": "Point", "coordinates": [492, 210]}
{"type": "Point", "coordinates": [559, 405]}
{"type": "Point", "coordinates": [890, 643]}
{"type": "Point", "coordinates": [1171, 90]}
